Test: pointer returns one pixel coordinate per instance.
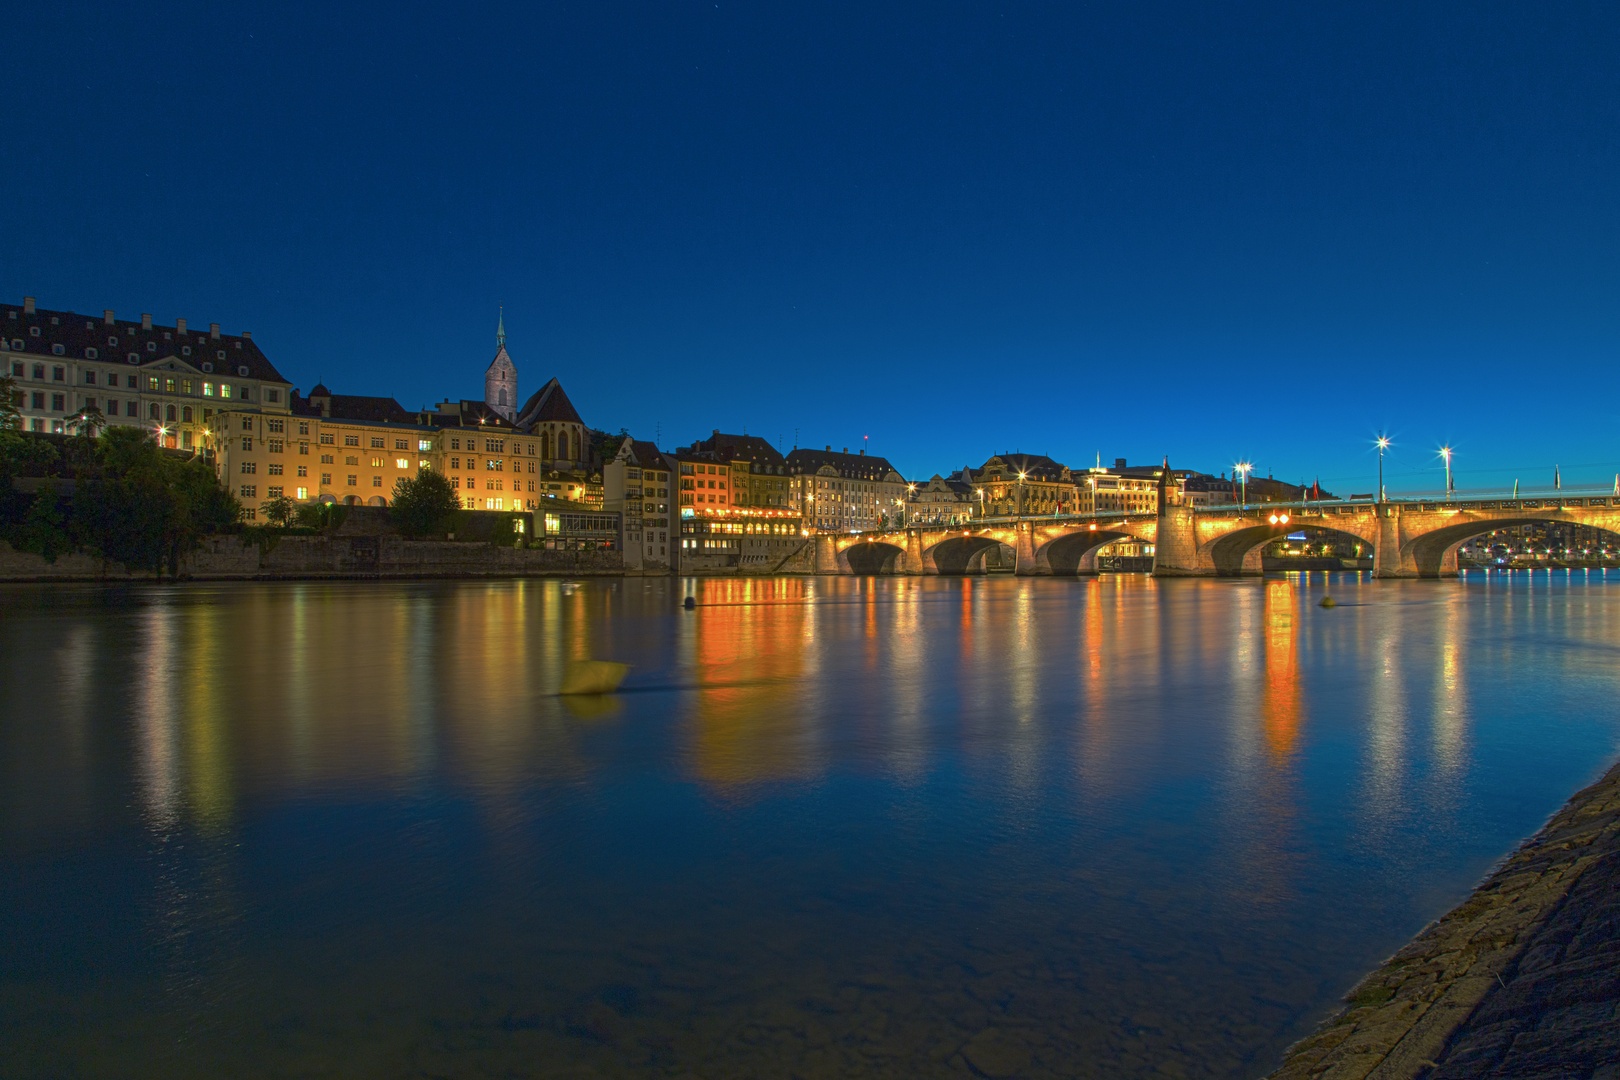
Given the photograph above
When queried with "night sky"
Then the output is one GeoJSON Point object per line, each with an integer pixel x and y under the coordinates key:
{"type": "Point", "coordinates": [1204, 230]}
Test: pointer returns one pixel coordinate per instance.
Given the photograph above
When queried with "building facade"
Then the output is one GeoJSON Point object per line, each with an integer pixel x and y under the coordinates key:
{"type": "Point", "coordinates": [171, 380]}
{"type": "Point", "coordinates": [940, 501]}
{"type": "Point", "coordinates": [638, 483]}
{"type": "Point", "coordinates": [844, 492]}
{"type": "Point", "coordinates": [1023, 484]}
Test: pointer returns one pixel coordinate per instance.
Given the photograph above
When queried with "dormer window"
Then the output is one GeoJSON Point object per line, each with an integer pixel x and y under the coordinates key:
{"type": "Point", "coordinates": [242, 370]}
{"type": "Point", "coordinates": [58, 350]}
{"type": "Point", "coordinates": [134, 357]}
{"type": "Point", "coordinates": [112, 342]}
{"type": "Point", "coordinates": [185, 350]}
{"type": "Point", "coordinates": [55, 321]}
{"type": "Point", "coordinates": [33, 331]}
{"type": "Point", "coordinates": [90, 353]}
{"type": "Point", "coordinates": [151, 346]}
{"type": "Point", "coordinates": [208, 366]}
{"type": "Point", "coordinates": [220, 354]}
{"type": "Point", "coordinates": [16, 343]}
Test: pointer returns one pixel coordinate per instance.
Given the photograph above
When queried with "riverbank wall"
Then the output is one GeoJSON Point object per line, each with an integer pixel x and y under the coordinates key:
{"type": "Point", "coordinates": [1522, 979]}
{"type": "Point", "coordinates": [236, 558]}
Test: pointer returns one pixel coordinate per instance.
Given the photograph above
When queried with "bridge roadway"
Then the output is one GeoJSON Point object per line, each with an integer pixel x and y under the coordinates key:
{"type": "Point", "coordinates": [1410, 536]}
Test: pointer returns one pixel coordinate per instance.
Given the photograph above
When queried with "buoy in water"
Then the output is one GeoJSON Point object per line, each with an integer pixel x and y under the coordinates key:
{"type": "Point", "coordinates": [593, 676]}
{"type": "Point", "coordinates": [1328, 601]}
{"type": "Point", "coordinates": [691, 602]}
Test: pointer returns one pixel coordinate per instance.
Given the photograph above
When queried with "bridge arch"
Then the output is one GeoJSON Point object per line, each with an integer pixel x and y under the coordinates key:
{"type": "Point", "coordinates": [1238, 551]}
{"type": "Point", "coordinates": [1434, 553]}
{"type": "Point", "coordinates": [872, 557]}
{"type": "Point", "coordinates": [1076, 552]}
{"type": "Point", "coordinates": [963, 554]}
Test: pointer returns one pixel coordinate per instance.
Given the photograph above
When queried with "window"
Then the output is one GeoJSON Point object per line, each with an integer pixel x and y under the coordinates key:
{"type": "Point", "coordinates": [376, 463]}
{"type": "Point", "coordinates": [89, 378]}
{"type": "Point", "coordinates": [326, 459]}
{"type": "Point", "coordinates": [249, 491]}
{"type": "Point", "coordinates": [247, 441]}
{"type": "Point", "coordinates": [272, 396]}
{"type": "Point", "coordinates": [274, 468]}
{"type": "Point", "coordinates": [354, 481]}
{"type": "Point", "coordinates": [303, 493]}
{"type": "Point", "coordinates": [351, 440]}
{"type": "Point", "coordinates": [303, 427]}
{"type": "Point", "coordinates": [250, 467]}
{"type": "Point", "coordinates": [224, 390]}
{"type": "Point", "coordinates": [276, 445]}
{"type": "Point", "coordinates": [376, 481]}
{"type": "Point", "coordinates": [326, 479]}
{"type": "Point", "coordinates": [33, 331]}
{"type": "Point", "coordinates": [376, 443]}
{"type": "Point", "coordinates": [276, 426]}
{"type": "Point", "coordinates": [242, 391]}
{"type": "Point", "coordinates": [168, 386]}
{"type": "Point", "coordinates": [185, 350]}
{"type": "Point", "coordinates": [247, 423]}
{"type": "Point", "coordinates": [58, 350]}
{"type": "Point", "coordinates": [424, 445]}
{"type": "Point", "coordinates": [350, 459]}
{"type": "Point", "coordinates": [90, 353]}
{"type": "Point", "coordinates": [206, 366]}
{"type": "Point", "coordinates": [208, 414]}
{"type": "Point", "coordinates": [185, 414]}
{"type": "Point", "coordinates": [455, 444]}
{"type": "Point", "coordinates": [112, 342]}
{"type": "Point", "coordinates": [17, 370]}
{"type": "Point", "coordinates": [39, 371]}
{"type": "Point", "coordinates": [59, 403]}
{"type": "Point", "coordinates": [303, 448]}
{"type": "Point", "coordinates": [39, 399]}
{"type": "Point", "coordinates": [455, 463]}
{"type": "Point", "coordinates": [130, 381]}
{"type": "Point", "coordinates": [58, 374]}
{"type": "Point", "coordinates": [185, 386]}
{"type": "Point", "coordinates": [493, 465]}
{"type": "Point", "coordinates": [326, 438]}
{"type": "Point", "coordinates": [400, 444]}
{"type": "Point", "coordinates": [303, 470]}
{"type": "Point", "coordinates": [402, 463]}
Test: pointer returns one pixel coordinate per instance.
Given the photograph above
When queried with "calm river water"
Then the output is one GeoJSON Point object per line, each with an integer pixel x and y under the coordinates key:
{"type": "Point", "coordinates": [833, 827]}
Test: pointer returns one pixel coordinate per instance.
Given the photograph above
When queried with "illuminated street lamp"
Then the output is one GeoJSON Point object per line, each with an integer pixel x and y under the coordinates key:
{"type": "Point", "coordinates": [1243, 468]}
{"type": "Point", "coordinates": [1383, 444]}
{"type": "Point", "coordinates": [1445, 452]}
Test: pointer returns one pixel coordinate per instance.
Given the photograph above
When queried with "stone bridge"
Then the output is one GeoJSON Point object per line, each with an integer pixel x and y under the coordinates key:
{"type": "Point", "coordinates": [1408, 537]}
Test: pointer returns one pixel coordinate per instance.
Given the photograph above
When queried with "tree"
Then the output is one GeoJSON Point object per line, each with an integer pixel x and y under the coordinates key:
{"type": "Point", "coordinates": [279, 511]}
{"type": "Point", "coordinates": [10, 400]}
{"type": "Point", "coordinates": [425, 504]}
{"type": "Point", "coordinates": [88, 422]}
{"type": "Point", "coordinates": [311, 515]}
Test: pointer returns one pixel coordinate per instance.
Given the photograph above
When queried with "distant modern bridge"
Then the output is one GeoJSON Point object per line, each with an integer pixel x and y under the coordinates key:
{"type": "Point", "coordinates": [1409, 536]}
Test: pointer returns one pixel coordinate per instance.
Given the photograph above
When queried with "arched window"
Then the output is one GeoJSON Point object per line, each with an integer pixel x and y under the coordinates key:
{"type": "Point", "coordinates": [153, 411]}
{"type": "Point", "coordinates": [545, 446]}
{"type": "Point", "coordinates": [170, 417]}
{"type": "Point", "coordinates": [185, 414]}
{"type": "Point", "coordinates": [563, 445]}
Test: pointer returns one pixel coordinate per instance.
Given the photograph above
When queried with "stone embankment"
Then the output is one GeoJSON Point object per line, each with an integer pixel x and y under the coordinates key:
{"type": "Point", "coordinates": [1522, 980]}
{"type": "Point", "coordinates": [225, 558]}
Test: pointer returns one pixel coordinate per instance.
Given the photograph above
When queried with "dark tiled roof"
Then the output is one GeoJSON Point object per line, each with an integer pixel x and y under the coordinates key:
{"type": "Point", "coordinates": [749, 448]}
{"type": "Point", "coordinates": [77, 332]}
{"type": "Point", "coordinates": [474, 414]}
{"type": "Point", "coordinates": [383, 410]}
{"type": "Point", "coordinates": [549, 403]}
{"type": "Point", "coordinates": [852, 466]}
{"type": "Point", "coordinates": [646, 453]}
{"type": "Point", "coordinates": [1036, 466]}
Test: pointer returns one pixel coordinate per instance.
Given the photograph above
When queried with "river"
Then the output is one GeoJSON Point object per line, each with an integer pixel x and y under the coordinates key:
{"type": "Point", "coordinates": [831, 827]}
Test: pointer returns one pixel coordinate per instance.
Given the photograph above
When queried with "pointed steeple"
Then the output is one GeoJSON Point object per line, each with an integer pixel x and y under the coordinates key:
{"type": "Point", "coordinates": [500, 329]}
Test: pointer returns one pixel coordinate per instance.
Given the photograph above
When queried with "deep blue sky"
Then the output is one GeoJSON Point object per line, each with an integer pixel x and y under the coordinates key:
{"type": "Point", "coordinates": [1208, 231]}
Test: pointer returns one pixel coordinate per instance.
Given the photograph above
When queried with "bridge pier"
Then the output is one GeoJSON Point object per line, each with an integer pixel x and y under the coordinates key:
{"type": "Point", "coordinates": [1025, 564]}
{"type": "Point", "coordinates": [1175, 545]}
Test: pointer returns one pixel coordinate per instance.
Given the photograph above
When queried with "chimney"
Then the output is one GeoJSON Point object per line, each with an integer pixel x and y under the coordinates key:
{"type": "Point", "coordinates": [28, 305]}
{"type": "Point", "coordinates": [863, 451]}
{"type": "Point", "coordinates": [846, 449]}
{"type": "Point", "coordinates": [717, 431]}
{"type": "Point", "coordinates": [146, 320]}
{"type": "Point", "coordinates": [213, 330]}
{"type": "Point", "coordinates": [248, 334]}
{"type": "Point", "coordinates": [107, 316]}
{"type": "Point", "coordinates": [1119, 463]}
{"type": "Point", "coordinates": [180, 325]}
{"type": "Point", "coordinates": [829, 449]}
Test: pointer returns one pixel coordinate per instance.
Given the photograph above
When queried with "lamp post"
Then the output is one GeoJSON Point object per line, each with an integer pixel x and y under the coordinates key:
{"type": "Point", "coordinates": [1383, 444]}
{"type": "Point", "coordinates": [1445, 452]}
{"type": "Point", "coordinates": [1243, 468]}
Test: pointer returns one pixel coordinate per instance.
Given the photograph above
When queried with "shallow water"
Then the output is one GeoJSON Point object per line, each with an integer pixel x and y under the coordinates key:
{"type": "Point", "coordinates": [831, 827]}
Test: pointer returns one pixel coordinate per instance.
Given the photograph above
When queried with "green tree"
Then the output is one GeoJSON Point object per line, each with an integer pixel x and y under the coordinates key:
{"type": "Point", "coordinates": [43, 531]}
{"type": "Point", "coordinates": [10, 402]}
{"type": "Point", "coordinates": [311, 515]}
{"type": "Point", "coordinates": [425, 504]}
{"type": "Point", "coordinates": [279, 511]}
{"type": "Point", "coordinates": [88, 422]}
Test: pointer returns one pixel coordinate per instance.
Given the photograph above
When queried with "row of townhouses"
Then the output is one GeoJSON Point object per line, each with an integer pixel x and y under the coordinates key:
{"type": "Point", "coordinates": [727, 501]}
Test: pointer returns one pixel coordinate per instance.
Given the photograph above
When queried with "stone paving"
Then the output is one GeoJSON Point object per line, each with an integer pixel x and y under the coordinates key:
{"type": "Point", "coordinates": [1522, 980]}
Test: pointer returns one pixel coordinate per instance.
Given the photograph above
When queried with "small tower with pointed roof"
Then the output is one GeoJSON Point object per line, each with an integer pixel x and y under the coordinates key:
{"type": "Point", "coordinates": [500, 380]}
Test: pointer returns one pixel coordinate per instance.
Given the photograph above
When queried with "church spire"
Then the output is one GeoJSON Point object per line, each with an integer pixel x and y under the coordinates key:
{"type": "Point", "coordinates": [500, 329]}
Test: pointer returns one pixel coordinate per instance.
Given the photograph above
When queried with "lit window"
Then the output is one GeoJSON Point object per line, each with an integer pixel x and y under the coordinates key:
{"type": "Point", "coordinates": [402, 463]}
{"type": "Point", "coordinates": [303, 493]}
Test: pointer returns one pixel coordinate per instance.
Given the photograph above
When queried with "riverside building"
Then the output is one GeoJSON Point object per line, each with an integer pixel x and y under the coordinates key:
{"type": "Point", "coordinates": [171, 380]}
{"type": "Point", "coordinates": [844, 492]}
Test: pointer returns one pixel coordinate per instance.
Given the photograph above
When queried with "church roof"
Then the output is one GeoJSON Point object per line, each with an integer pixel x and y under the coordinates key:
{"type": "Point", "coordinates": [500, 357]}
{"type": "Point", "coordinates": [549, 403]}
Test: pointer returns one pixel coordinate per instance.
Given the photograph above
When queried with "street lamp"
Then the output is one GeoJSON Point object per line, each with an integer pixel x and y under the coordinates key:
{"type": "Point", "coordinates": [1243, 468]}
{"type": "Point", "coordinates": [1445, 452]}
{"type": "Point", "coordinates": [1383, 444]}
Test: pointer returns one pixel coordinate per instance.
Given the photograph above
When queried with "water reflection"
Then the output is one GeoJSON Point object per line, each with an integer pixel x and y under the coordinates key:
{"type": "Point", "coordinates": [848, 826]}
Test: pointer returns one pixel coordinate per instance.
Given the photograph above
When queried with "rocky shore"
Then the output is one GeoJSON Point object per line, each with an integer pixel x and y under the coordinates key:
{"type": "Point", "coordinates": [1521, 980]}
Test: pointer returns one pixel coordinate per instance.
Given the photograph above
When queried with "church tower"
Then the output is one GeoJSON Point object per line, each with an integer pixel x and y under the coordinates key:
{"type": "Point", "coordinates": [500, 381]}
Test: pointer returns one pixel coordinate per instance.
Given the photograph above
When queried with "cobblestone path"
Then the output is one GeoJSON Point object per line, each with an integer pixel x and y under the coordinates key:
{"type": "Point", "coordinates": [1522, 980]}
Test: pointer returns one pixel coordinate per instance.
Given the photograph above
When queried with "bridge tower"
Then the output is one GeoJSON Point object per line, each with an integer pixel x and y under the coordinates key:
{"type": "Point", "coordinates": [1175, 543]}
